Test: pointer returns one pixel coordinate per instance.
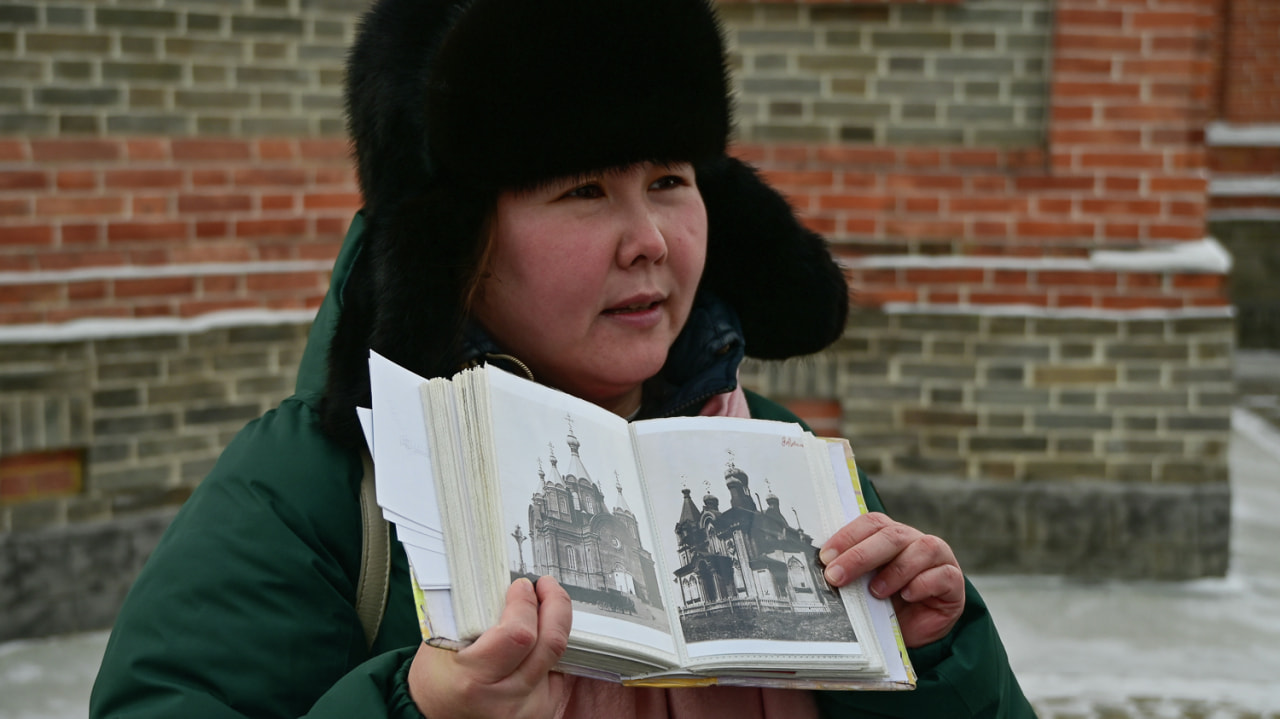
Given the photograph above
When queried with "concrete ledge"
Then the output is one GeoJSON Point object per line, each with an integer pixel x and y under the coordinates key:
{"type": "Point", "coordinates": [72, 578]}
{"type": "Point", "coordinates": [1085, 529]}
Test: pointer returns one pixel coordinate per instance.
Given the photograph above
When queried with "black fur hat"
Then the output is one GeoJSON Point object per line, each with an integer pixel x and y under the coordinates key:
{"type": "Point", "coordinates": [451, 101]}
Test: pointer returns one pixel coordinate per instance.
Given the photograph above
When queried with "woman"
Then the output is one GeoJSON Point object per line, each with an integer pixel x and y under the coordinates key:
{"type": "Point", "coordinates": [547, 188]}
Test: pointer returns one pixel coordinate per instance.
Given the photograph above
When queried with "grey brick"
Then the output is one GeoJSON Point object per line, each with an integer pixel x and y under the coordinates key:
{"type": "Point", "coordinates": [785, 110]}
{"type": "Point", "coordinates": [289, 76]}
{"type": "Point", "coordinates": [973, 65]}
{"type": "Point", "coordinates": [1026, 42]}
{"type": "Point", "coordinates": [108, 452]}
{"type": "Point", "coordinates": [1011, 350]}
{"type": "Point", "coordinates": [841, 62]}
{"type": "Point", "coordinates": [1083, 327]}
{"type": "Point", "coordinates": [916, 464]}
{"type": "Point", "coordinates": [1130, 471]}
{"type": "Point", "coordinates": [1074, 445]}
{"type": "Point", "coordinates": [1008, 137]}
{"type": "Point", "coordinates": [114, 398]}
{"type": "Point", "coordinates": [72, 70]}
{"type": "Point", "coordinates": [1063, 420]}
{"type": "Point", "coordinates": [978, 40]}
{"type": "Point", "coordinates": [213, 125]}
{"type": "Point", "coordinates": [915, 14]}
{"type": "Point", "coordinates": [136, 345]}
{"type": "Point", "coordinates": [856, 86]}
{"type": "Point", "coordinates": [147, 97]}
{"type": "Point", "coordinates": [8, 41]}
{"type": "Point", "coordinates": [122, 18]}
{"type": "Point", "coordinates": [982, 89]}
{"type": "Point", "coordinates": [203, 48]}
{"type": "Point", "coordinates": [275, 101]}
{"type": "Point", "coordinates": [167, 446]}
{"type": "Point", "coordinates": [159, 71]}
{"type": "Point", "coordinates": [1005, 374]}
{"type": "Point", "coordinates": [789, 38]}
{"type": "Point", "coordinates": [18, 15]}
{"type": "Point", "coordinates": [853, 110]}
{"type": "Point", "coordinates": [1011, 395]}
{"type": "Point", "coordinates": [977, 15]}
{"type": "Point", "coordinates": [210, 75]}
{"type": "Point", "coordinates": [266, 25]}
{"type": "Point", "coordinates": [1078, 398]}
{"type": "Point", "coordinates": [892, 39]}
{"type": "Point", "coordinates": [271, 386]}
{"type": "Point", "coordinates": [965, 324]}
{"type": "Point", "coordinates": [906, 65]}
{"type": "Point", "coordinates": [933, 89]}
{"type": "Point", "coordinates": [198, 99]}
{"type": "Point", "coordinates": [1167, 398]}
{"type": "Point", "coordinates": [1008, 443]}
{"type": "Point", "coordinates": [980, 113]}
{"type": "Point", "coordinates": [843, 38]}
{"type": "Point", "coordinates": [336, 54]}
{"type": "Point", "coordinates": [925, 135]}
{"type": "Point", "coordinates": [1214, 399]}
{"type": "Point", "coordinates": [1140, 423]}
{"type": "Point", "coordinates": [77, 97]}
{"type": "Point", "coordinates": [331, 78]}
{"type": "Point", "coordinates": [1028, 89]}
{"type": "Point", "coordinates": [132, 45]}
{"type": "Point", "coordinates": [132, 478]}
{"type": "Point", "coordinates": [769, 61]}
{"type": "Point", "coordinates": [200, 22]}
{"type": "Point", "coordinates": [1201, 326]}
{"type": "Point", "coordinates": [1144, 328]}
{"type": "Point", "coordinates": [186, 392]}
{"type": "Point", "coordinates": [342, 6]}
{"type": "Point", "coordinates": [1129, 445]}
{"type": "Point", "coordinates": [1059, 469]}
{"type": "Point", "coordinates": [1123, 351]}
{"type": "Point", "coordinates": [215, 415]}
{"type": "Point", "coordinates": [854, 393]}
{"type": "Point", "coordinates": [1142, 375]}
{"type": "Point", "coordinates": [1197, 375]}
{"type": "Point", "coordinates": [791, 133]}
{"type": "Point", "coordinates": [136, 424]}
{"type": "Point", "coordinates": [1194, 472]}
{"type": "Point", "coordinates": [328, 28]}
{"type": "Point", "coordinates": [848, 13]}
{"type": "Point", "coordinates": [946, 396]}
{"type": "Point", "coordinates": [270, 51]}
{"type": "Point", "coordinates": [41, 380]}
{"type": "Point", "coordinates": [939, 418]}
{"type": "Point", "coordinates": [275, 126]}
{"type": "Point", "coordinates": [937, 371]}
{"type": "Point", "coordinates": [781, 85]}
{"type": "Point", "coordinates": [1199, 423]}
{"type": "Point", "coordinates": [194, 470]}
{"type": "Point", "coordinates": [60, 43]}
{"type": "Point", "coordinates": [149, 124]}
{"type": "Point", "coordinates": [1209, 351]}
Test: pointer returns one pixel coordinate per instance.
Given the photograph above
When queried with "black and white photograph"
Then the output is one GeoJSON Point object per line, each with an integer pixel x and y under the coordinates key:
{"type": "Point", "coordinates": [739, 531]}
{"type": "Point", "coordinates": [573, 510]}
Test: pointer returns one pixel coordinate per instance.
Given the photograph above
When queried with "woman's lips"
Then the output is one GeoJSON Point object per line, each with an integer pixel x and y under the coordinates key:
{"type": "Point", "coordinates": [634, 305]}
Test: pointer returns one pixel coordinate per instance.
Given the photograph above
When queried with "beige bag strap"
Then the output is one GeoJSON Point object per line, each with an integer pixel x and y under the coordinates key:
{"type": "Point", "coordinates": [375, 558]}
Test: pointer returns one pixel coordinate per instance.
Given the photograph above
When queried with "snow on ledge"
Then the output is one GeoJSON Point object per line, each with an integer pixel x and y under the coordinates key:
{"type": "Point", "coordinates": [1224, 134]}
{"type": "Point", "coordinates": [110, 328]}
{"type": "Point", "coordinates": [1201, 256]}
{"type": "Point", "coordinates": [197, 269]}
{"type": "Point", "coordinates": [1244, 187]}
{"type": "Point", "coordinates": [1016, 310]}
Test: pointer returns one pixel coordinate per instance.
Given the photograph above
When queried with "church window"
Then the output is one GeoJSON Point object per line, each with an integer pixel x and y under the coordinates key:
{"type": "Point", "coordinates": [590, 505]}
{"type": "Point", "coordinates": [797, 575]}
{"type": "Point", "coordinates": [571, 558]}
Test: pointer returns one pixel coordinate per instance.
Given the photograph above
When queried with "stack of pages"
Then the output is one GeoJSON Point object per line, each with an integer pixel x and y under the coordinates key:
{"type": "Point", "coordinates": [688, 545]}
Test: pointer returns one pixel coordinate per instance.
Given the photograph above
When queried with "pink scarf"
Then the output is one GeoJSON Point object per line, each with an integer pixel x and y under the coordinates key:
{"type": "Point", "coordinates": [590, 698]}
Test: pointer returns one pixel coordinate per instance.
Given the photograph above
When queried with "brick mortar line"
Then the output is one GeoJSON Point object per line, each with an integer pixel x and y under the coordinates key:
{"type": "Point", "coordinates": [110, 328]}
{"type": "Point", "coordinates": [151, 271]}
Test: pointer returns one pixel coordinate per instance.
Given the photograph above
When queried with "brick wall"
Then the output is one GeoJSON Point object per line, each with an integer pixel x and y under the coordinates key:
{"type": "Point", "coordinates": [1018, 390]}
{"type": "Point", "coordinates": [1251, 62]}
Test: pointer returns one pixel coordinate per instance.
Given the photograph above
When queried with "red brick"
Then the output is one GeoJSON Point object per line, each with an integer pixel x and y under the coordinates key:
{"type": "Point", "coordinates": [942, 228]}
{"type": "Point", "coordinates": [210, 178]}
{"type": "Point", "coordinates": [135, 179]}
{"type": "Point", "coordinates": [213, 203]}
{"type": "Point", "coordinates": [77, 180]}
{"type": "Point", "coordinates": [277, 149]}
{"type": "Point", "coordinates": [1195, 231]}
{"type": "Point", "coordinates": [1217, 301]}
{"type": "Point", "coordinates": [900, 182]}
{"type": "Point", "coordinates": [276, 202]}
{"type": "Point", "coordinates": [1119, 207]}
{"type": "Point", "coordinates": [1053, 183]}
{"type": "Point", "coordinates": [820, 225]}
{"type": "Point", "coordinates": [333, 176]}
{"type": "Point", "coordinates": [1121, 231]}
{"type": "Point", "coordinates": [855, 202]}
{"type": "Point", "coordinates": [1065, 230]}
{"type": "Point", "coordinates": [151, 205]}
{"type": "Point", "coordinates": [75, 260]}
{"type": "Point", "coordinates": [878, 297]}
{"type": "Point", "coordinates": [333, 200]}
{"type": "Point", "coordinates": [1131, 302]}
{"type": "Point", "coordinates": [22, 294]}
{"type": "Point", "coordinates": [1122, 160]}
{"type": "Point", "coordinates": [87, 290]}
{"type": "Point", "coordinates": [22, 316]}
{"type": "Point", "coordinates": [1162, 185]}
{"type": "Point", "coordinates": [276, 281]}
{"type": "Point", "coordinates": [1200, 282]}
{"type": "Point", "coordinates": [1135, 280]}
{"type": "Point", "coordinates": [1066, 42]}
{"type": "Point", "coordinates": [1114, 183]}
{"type": "Point", "coordinates": [1096, 89]}
{"type": "Point", "coordinates": [929, 205]}
{"type": "Point", "coordinates": [795, 154]}
{"type": "Point", "coordinates": [800, 178]}
{"type": "Point", "coordinates": [987, 183]}
{"type": "Point", "coordinates": [921, 158]}
{"type": "Point", "coordinates": [857, 155]}
{"type": "Point", "coordinates": [203, 307]}
{"type": "Point", "coordinates": [220, 284]}
{"type": "Point", "coordinates": [217, 252]}
{"type": "Point", "coordinates": [292, 226]}
{"type": "Point", "coordinates": [1009, 277]}
{"type": "Point", "coordinates": [1077, 279]}
{"type": "Point", "coordinates": [146, 231]}
{"type": "Point", "coordinates": [81, 234]}
{"type": "Point", "coordinates": [1147, 112]}
{"type": "Point", "coordinates": [984, 228]}
{"type": "Point", "coordinates": [209, 149]}
{"type": "Point", "coordinates": [966, 275]}
{"type": "Point", "coordinates": [860, 226]}
{"type": "Point", "coordinates": [988, 204]}
{"type": "Point", "coordinates": [1100, 136]}
{"type": "Point", "coordinates": [1073, 300]}
{"type": "Point", "coordinates": [325, 149]}
{"type": "Point", "coordinates": [159, 308]}
{"type": "Point", "coordinates": [822, 415]}
{"type": "Point", "coordinates": [154, 287]}
{"type": "Point", "coordinates": [78, 206]}
{"type": "Point", "coordinates": [212, 228]}
{"type": "Point", "coordinates": [59, 316]}
{"type": "Point", "coordinates": [140, 149]}
{"type": "Point", "coordinates": [75, 150]}
{"type": "Point", "coordinates": [1188, 21]}
{"type": "Point", "coordinates": [1074, 17]}
{"type": "Point", "coordinates": [1055, 205]}
{"type": "Point", "coordinates": [1186, 209]}
{"type": "Point", "coordinates": [23, 180]}
{"type": "Point", "coordinates": [318, 250]}
{"type": "Point", "coordinates": [15, 207]}
{"type": "Point", "coordinates": [1065, 66]}
{"type": "Point", "coordinates": [270, 177]}
{"type": "Point", "coordinates": [973, 158]}
{"type": "Point", "coordinates": [26, 235]}
{"type": "Point", "coordinates": [1060, 113]}
{"type": "Point", "coordinates": [14, 150]}
{"type": "Point", "coordinates": [1009, 298]}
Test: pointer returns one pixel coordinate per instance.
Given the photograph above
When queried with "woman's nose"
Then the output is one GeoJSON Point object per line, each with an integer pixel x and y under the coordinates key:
{"type": "Point", "coordinates": [641, 236]}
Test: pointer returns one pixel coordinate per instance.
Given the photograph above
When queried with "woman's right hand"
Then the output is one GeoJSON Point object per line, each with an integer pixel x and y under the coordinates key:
{"type": "Point", "coordinates": [507, 671]}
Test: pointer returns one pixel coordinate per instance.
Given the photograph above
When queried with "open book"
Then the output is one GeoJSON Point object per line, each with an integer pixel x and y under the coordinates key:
{"type": "Point", "coordinates": [687, 545]}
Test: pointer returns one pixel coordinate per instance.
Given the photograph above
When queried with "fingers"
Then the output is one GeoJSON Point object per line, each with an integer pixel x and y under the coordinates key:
{"type": "Point", "coordinates": [503, 648]}
{"type": "Point", "coordinates": [873, 541]}
{"type": "Point", "coordinates": [555, 619]}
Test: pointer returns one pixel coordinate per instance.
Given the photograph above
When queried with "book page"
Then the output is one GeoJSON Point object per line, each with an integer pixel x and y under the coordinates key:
{"type": "Point", "coordinates": [740, 525]}
{"type": "Point", "coordinates": [573, 509]}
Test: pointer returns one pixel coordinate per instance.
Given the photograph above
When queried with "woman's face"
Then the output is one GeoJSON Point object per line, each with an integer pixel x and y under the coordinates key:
{"type": "Point", "coordinates": [590, 279]}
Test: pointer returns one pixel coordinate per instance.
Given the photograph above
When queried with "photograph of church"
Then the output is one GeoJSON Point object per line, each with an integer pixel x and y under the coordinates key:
{"type": "Point", "coordinates": [746, 570]}
{"type": "Point", "coordinates": [588, 538]}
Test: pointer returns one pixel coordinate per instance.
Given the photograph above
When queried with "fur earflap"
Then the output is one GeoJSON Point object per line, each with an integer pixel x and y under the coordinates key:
{"type": "Point", "coordinates": [780, 277]}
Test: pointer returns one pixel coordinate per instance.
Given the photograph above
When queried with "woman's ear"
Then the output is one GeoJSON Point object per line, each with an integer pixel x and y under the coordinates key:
{"type": "Point", "coordinates": [790, 295]}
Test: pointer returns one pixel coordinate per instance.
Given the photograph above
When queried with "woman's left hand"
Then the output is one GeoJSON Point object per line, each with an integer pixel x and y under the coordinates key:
{"type": "Point", "coordinates": [918, 570]}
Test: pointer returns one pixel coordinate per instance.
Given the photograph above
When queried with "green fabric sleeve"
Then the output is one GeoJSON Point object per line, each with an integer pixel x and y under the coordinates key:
{"type": "Point", "coordinates": [245, 608]}
{"type": "Point", "coordinates": [378, 688]}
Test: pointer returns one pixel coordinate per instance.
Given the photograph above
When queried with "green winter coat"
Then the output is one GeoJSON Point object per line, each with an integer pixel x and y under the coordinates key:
{"type": "Point", "coordinates": [246, 607]}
